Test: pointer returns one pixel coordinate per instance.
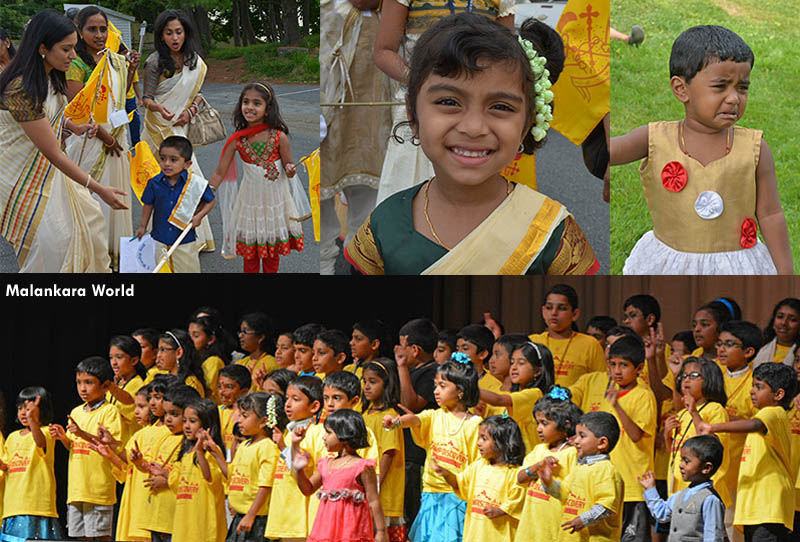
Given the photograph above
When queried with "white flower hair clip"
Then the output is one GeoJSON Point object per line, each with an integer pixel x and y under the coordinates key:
{"type": "Point", "coordinates": [544, 96]}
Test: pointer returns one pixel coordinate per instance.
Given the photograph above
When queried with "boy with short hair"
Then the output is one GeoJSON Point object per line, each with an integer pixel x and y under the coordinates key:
{"type": "Point", "coordinates": [696, 512]}
{"type": "Point", "coordinates": [91, 492]}
{"type": "Point", "coordinates": [331, 352]}
{"type": "Point", "coordinates": [477, 341]}
{"type": "Point", "coordinates": [592, 493]}
{"type": "Point", "coordinates": [304, 337]}
{"type": "Point", "coordinates": [163, 194]}
{"type": "Point", "coordinates": [598, 327]}
{"type": "Point", "coordinates": [765, 491]}
{"type": "Point", "coordinates": [234, 382]}
{"type": "Point", "coordinates": [446, 344]}
{"type": "Point", "coordinates": [368, 340]}
{"type": "Point", "coordinates": [633, 404]}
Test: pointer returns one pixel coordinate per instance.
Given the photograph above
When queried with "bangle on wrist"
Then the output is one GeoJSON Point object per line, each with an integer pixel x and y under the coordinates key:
{"type": "Point", "coordinates": [528, 472]}
{"type": "Point", "coordinates": [113, 142]}
{"type": "Point", "coordinates": [88, 181]}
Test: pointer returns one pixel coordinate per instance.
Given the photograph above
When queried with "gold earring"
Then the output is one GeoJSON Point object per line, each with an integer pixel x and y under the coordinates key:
{"type": "Point", "coordinates": [460, 395]}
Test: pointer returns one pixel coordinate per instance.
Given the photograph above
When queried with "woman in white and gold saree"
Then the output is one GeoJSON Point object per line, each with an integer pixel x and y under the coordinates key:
{"type": "Point", "coordinates": [47, 212]}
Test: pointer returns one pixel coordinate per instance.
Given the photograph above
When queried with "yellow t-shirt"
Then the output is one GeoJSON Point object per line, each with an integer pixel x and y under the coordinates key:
{"type": "Point", "coordinates": [200, 505]}
{"type": "Point", "coordinates": [393, 486]}
{"type": "Point", "coordinates": [794, 440]}
{"type": "Point", "coordinates": [661, 461]}
{"type": "Point", "coordinates": [90, 476]}
{"type": "Point", "coordinates": [129, 425]}
{"type": "Point", "coordinates": [30, 481]}
{"type": "Point", "coordinates": [711, 413]}
{"type": "Point", "coordinates": [211, 367]}
{"type": "Point", "coordinates": [780, 352]}
{"type": "Point", "coordinates": [633, 459]}
{"type": "Point", "coordinates": [573, 357]}
{"type": "Point", "coordinates": [740, 405]}
{"type": "Point", "coordinates": [314, 444]}
{"type": "Point", "coordinates": [765, 493]}
{"type": "Point", "coordinates": [290, 519]}
{"type": "Point", "coordinates": [452, 441]}
{"type": "Point", "coordinates": [522, 403]}
{"type": "Point", "coordinates": [226, 426]}
{"type": "Point", "coordinates": [484, 485]}
{"type": "Point", "coordinates": [589, 391]}
{"type": "Point", "coordinates": [132, 91]}
{"type": "Point", "coordinates": [586, 486]}
{"type": "Point", "coordinates": [161, 510]}
{"type": "Point", "coordinates": [266, 362]}
{"type": "Point", "coordinates": [539, 508]}
{"type": "Point", "coordinates": [357, 370]}
{"type": "Point", "coordinates": [489, 382]}
{"type": "Point", "coordinates": [253, 467]}
{"type": "Point", "coordinates": [194, 382]}
{"type": "Point", "coordinates": [133, 507]}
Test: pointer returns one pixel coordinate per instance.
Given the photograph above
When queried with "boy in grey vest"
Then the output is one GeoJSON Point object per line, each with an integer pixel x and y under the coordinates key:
{"type": "Point", "coordinates": [697, 512]}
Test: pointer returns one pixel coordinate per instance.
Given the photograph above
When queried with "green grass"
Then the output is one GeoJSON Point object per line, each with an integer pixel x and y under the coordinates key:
{"type": "Point", "coordinates": [300, 66]}
{"type": "Point", "coordinates": [640, 93]}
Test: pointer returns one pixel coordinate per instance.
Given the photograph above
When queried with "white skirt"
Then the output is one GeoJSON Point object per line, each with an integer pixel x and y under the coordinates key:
{"type": "Point", "coordinates": [265, 216]}
{"type": "Point", "coordinates": [652, 257]}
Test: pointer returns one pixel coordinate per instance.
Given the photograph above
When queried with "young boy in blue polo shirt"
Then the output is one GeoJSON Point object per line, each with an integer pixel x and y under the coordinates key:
{"type": "Point", "coordinates": [162, 193]}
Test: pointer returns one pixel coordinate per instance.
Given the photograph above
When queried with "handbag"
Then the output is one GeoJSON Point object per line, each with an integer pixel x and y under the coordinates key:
{"type": "Point", "coordinates": [206, 127]}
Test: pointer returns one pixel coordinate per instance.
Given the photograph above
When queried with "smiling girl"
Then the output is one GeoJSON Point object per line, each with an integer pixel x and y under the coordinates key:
{"type": "Point", "coordinates": [780, 335]}
{"type": "Point", "coordinates": [474, 94]}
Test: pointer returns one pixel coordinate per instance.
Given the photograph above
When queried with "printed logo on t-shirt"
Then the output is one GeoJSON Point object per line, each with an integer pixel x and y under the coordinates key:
{"type": "Point", "coordinates": [239, 481]}
{"type": "Point", "coordinates": [481, 501]}
{"type": "Point", "coordinates": [280, 470]}
{"type": "Point", "coordinates": [81, 447]}
{"type": "Point", "coordinates": [595, 406]}
{"type": "Point", "coordinates": [536, 491]}
{"type": "Point", "coordinates": [563, 367]}
{"type": "Point", "coordinates": [18, 463]}
{"type": "Point", "coordinates": [794, 423]}
{"type": "Point", "coordinates": [447, 452]}
{"type": "Point", "coordinates": [574, 504]}
{"type": "Point", "coordinates": [187, 489]}
{"type": "Point", "coordinates": [745, 453]}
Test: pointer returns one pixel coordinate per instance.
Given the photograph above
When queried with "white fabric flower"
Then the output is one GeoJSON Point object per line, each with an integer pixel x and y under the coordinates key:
{"type": "Point", "coordinates": [709, 205]}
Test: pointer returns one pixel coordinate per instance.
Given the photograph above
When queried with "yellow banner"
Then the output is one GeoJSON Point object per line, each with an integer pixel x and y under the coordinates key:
{"type": "Point", "coordinates": [144, 167]}
{"type": "Point", "coordinates": [522, 170]}
{"type": "Point", "coordinates": [582, 92]}
{"type": "Point", "coordinates": [80, 108]}
{"type": "Point", "coordinates": [312, 166]}
{"type": "Point", "coordinates": [114, 38]}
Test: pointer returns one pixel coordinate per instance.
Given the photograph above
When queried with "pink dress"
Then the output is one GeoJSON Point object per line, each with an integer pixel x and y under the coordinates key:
{"type": "Point", "coordinates": [344, 514]}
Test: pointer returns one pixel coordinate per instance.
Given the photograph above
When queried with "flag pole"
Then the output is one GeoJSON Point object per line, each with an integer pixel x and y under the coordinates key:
{"type": "Point", "coordinates": [173, 248]}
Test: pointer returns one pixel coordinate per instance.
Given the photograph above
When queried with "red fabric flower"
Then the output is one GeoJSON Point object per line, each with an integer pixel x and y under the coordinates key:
{"type": "Point", "coordinates": [749, 233]}
{"type": "Point", "coordinates": [673, 176]}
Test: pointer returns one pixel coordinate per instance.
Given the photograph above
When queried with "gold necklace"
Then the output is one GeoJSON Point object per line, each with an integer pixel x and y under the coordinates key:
{"type": "Point", "coordinates": [728, 135]}
{"type": "Point", "coordinates": [428, 218]}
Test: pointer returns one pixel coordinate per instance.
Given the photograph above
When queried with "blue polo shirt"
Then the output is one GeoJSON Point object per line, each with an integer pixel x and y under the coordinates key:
{"type": "Point", "coordinates": [163, 198]}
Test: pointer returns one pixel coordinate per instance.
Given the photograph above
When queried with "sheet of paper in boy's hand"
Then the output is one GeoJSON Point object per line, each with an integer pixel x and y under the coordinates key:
{"type": "Point", "coordinates": [137, 256]}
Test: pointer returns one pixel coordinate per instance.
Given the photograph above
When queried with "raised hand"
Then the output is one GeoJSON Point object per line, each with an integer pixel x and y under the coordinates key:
{"type": "Point", "coordinates": [259, 375]}
{"type": "Point", "coordinates": [57, 431]}
{"type": "Point", "coordinates": [32, 411]}
{"type": "Point", "coordinates": [72, 425]}
{"type": "Point", "coordinates": [298, 434]}
{"type": "Point", "coordinates": [671, 423]}
{"type": "Point", "coordinates": [136, 454]}
{"type": "Point", "coordinates": [300, 459]}
{"type": "Point", "coordinates": [400, 355]}
{"type": "Point", "coordinates": [690, 403]}
{"type": "Point", "coordinates": [492, 324]}
{"type": "Point", "coordinates": [612, 393]}
{"type": "Point", "coordinates": [674, 363]}
{"type": "Point", "coordinates": [648, 479]}
{"type": "Point", "coordinates": [104, 436]}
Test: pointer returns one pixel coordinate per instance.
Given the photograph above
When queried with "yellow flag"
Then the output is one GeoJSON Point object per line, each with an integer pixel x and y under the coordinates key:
{"type": "Point", "coordinates": [522, 170]}
{"type": "Point", "coordinates": [582, 91]}
{"type": "Point", "coordinates": [312, 165]}
{"type": "Point", "coordinates": [165, 268]}
{"type": "Point", "coordinates": [80, 108]}
{"type": "Point", "coordinates": [143, 168]}
{"type": "Point", "coordinates": [114, 38]}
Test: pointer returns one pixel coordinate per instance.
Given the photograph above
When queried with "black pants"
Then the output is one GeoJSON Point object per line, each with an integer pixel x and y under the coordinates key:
{"type": "Point", "coordinates": [413, 493]}
{"type": "Point", "coordinates": [766, 532]}
{"type": "Point", "coordinates": [635, 522]}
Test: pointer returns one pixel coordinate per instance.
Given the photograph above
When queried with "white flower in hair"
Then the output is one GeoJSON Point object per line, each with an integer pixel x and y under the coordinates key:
{"type": "Point", "coordinates": [544, 96]}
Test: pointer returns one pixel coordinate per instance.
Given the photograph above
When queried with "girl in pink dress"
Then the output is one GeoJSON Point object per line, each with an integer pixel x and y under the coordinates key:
{"type": "Point", "coordinates": [350, 508]}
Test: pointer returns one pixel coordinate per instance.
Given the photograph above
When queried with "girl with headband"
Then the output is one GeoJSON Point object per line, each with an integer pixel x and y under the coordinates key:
{"type": "Point", "coordinates": [260, 219]}
{"type": "Point", "coordinates": [177, 355]}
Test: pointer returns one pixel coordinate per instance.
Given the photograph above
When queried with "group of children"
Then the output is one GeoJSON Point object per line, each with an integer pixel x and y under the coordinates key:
{"type": "Point", "coordinates": [554, 436]}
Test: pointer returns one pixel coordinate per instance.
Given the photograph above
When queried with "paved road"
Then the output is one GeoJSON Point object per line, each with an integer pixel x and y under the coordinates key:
{"type": "Point", "coordinates": [300, 110]}
{"type": "Point", "coordinates": [561, 175]}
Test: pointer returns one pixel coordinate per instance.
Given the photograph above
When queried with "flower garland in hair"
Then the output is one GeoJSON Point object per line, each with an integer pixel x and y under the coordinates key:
{"type": "Point", "coordinates": [460, 357]}
{"type": "Point", "coordinates": [544, 96]}
{"type": "Point", "coordinates": [272, 416]}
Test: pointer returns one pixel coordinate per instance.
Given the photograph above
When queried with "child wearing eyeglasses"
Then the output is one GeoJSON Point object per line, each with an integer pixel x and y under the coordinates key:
{"type": "Point", "coordinates": [699, 386]}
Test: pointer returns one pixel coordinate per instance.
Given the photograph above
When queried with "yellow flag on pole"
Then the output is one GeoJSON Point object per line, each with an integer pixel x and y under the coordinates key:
{"type": "Point", "coordinates": [312, 166]}
{"type": "Point", "coordinates": [582, 92]}
{"type": "Point", "coordinates": [522, 170]}
{"type": "Point", "coordinates": [114, 38]}
{"type": "Point", "coordinates": [144, 167]}
{"type": "Point", "coordinates": [80, 108]}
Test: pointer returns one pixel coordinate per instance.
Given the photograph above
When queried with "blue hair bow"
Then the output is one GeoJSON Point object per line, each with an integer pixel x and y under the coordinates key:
{"type": "Point", "coordinates": [460, 357]}
{"type": "Point", "coordinates": [558, 393]}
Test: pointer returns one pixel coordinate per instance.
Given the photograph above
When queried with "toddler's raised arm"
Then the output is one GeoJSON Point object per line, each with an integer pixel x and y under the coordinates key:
{"type": "Point", "coordinates": [629, 147]}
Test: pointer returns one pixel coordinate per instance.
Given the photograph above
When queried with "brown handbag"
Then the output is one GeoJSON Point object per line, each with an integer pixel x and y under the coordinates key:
{"type": "Point", "coordinates": [206, 127]}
